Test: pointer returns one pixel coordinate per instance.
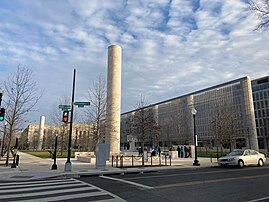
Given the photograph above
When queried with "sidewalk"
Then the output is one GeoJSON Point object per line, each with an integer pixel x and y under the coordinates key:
{"type": "Point", "coordinates": [31, 167]}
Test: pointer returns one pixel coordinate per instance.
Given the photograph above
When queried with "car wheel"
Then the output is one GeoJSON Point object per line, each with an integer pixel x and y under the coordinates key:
{"type": "Point", "coordinates": [240, 164]}
{"type": "Point", "coordinates": [260, 162]}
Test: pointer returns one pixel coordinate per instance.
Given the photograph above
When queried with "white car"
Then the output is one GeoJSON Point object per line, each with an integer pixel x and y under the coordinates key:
{"type": "Point", "coordinates": [243, 158]}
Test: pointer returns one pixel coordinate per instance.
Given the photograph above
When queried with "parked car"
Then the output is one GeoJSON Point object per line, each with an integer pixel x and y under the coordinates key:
{"type": "Point", "coordinates": [243, 158]}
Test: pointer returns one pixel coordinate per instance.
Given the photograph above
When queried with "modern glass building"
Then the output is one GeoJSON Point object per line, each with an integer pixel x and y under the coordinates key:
{"type": "Point", "coordinates": [225, 117]}
{"type": "Point", "coordinates": [260, 89]}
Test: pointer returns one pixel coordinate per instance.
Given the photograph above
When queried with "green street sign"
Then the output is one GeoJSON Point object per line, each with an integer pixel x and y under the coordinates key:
{"type": "Point", "coordinates": [82, 104]}
{"type": "Point", "coordinates": [65, 107]}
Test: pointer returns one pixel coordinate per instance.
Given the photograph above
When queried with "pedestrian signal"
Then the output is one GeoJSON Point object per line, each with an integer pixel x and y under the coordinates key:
{"type": "Point", "coordinates": [65, 116]}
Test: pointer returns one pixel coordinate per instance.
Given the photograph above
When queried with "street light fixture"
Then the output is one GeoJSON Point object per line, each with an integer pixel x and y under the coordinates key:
{"type": "Point", "coordinates": [196, 162]}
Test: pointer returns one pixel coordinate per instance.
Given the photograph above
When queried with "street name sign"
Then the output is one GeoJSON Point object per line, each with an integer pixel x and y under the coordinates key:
{"type": "Point", "coordinates": [82, 104]}
{"type": "Point", "coordinates": [65, 107]}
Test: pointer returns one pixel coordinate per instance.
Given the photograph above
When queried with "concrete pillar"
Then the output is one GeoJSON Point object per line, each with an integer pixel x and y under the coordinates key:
{"type": "Point", "coordinates": [248, 111]}
{"type": "Point", "coordinates": [113, 99]}
{"type": "Point", "coordinates": [41, 132]}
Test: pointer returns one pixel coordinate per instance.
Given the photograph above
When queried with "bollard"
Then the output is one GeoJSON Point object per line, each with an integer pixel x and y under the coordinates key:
{"type": "Point", "coordinates": [132, 160]}
{"type": "Point", "coordinates": [112, 158]}
{"type": "Point", "coordinates": [121, 161]}
{"type": "Point", "coordinates": [17, 160]}
{"type": "Point", "coordinates": [151, 160]}
{"type": "Point", "coordinates": [165, 160]}
{"type": "Point", "coordinates": [117, 158]}
{"type": "Point", "coordinates": [170, 160]}
{"type": "Point", "coordinates": [54, 166]}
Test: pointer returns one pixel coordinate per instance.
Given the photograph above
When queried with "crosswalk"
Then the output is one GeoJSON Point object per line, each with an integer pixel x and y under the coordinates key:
{"type": "Point", "coordinates": [54, 190]}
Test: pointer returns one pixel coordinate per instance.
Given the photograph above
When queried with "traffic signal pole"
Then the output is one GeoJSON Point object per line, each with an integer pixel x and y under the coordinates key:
{"type": "Point", "coordinates": [68, 164]}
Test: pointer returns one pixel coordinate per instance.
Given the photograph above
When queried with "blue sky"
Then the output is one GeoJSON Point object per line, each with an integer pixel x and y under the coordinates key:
{"type": "Point", "coordinates": [170, 47]}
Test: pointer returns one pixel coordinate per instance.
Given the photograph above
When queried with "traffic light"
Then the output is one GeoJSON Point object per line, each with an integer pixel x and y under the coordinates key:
{"type": "Point", "coordinates": [2, 114]}
{"type": "Point", "coordinates": [65, 116]}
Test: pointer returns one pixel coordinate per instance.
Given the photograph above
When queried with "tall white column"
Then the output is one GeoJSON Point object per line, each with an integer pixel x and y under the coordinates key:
{"type": "Point", "coordinates": [113, 99]}
{"type": "Point", "coordinates": [41, 132]}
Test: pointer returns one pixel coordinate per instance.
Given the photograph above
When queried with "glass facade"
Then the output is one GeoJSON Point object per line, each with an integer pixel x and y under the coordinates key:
{"type": "Point", "coordinates": [225, 117]}
{"type": "Point", "coordinates": [260, 89]}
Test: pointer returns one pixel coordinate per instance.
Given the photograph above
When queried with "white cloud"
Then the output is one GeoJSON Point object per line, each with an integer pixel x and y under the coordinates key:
{"type": "Point", "coordinates": [169, 48]}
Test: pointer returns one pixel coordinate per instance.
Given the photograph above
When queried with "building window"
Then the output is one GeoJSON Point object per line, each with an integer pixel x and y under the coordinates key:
{"type": "Point", "coordinates": [261, 95]}
{"type": "Point", "coordinates": [264, 94]}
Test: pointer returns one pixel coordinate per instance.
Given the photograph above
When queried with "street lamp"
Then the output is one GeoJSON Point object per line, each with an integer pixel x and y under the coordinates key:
{"type": "Point", "coordinates": [196, 162]}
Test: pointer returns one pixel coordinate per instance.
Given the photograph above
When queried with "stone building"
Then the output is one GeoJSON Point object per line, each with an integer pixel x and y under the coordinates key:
{"type": "Point", "coordinates": [82, 137]}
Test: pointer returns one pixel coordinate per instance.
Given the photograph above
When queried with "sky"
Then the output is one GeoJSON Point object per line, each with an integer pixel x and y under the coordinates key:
{"type": "Point", "coordinates": [169, 47]}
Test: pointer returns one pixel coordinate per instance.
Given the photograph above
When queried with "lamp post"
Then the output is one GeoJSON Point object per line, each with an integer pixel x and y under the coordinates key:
{"type": "Point", "coordinates": [196, 162]}
{"type": "Point", "coordinates": [54, 166]}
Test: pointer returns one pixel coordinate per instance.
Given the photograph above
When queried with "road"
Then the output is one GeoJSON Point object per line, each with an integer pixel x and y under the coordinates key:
{"type": "Point", "coordinates": [249, 184]}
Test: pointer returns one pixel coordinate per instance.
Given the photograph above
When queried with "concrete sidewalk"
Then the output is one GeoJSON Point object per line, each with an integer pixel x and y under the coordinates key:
{"type": "Point", "coordinates": [31, 167]}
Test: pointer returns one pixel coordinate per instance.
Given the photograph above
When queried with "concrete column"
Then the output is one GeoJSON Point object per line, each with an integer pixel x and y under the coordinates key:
{"type": "Point", "coordinates": [248, 111]}
{"type": "Point", "coordinates": [113, 99]}
{"type": "Point", "coordinates": [41, 132]}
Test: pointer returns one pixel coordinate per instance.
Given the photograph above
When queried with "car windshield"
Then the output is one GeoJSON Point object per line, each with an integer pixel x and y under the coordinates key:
{"type": "Point", "coordinates": [235, 153]}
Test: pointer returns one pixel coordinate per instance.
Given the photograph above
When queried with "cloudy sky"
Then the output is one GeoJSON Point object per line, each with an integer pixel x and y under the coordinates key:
{"type": "Point", "coordinates": [170, 47]}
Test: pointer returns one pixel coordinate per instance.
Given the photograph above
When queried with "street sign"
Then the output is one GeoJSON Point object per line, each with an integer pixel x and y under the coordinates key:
{"type": "Point", "coordinates": [82, 104]}
{"type": "Point", "coordinates": [65, 107]}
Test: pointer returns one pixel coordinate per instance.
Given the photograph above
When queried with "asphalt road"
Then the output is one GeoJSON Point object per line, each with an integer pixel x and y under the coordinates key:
{"type": "Point", "coordinates": [249, 184]}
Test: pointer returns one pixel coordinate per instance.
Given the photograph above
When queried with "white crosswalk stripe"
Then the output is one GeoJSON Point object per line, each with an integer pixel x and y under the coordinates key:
{"type": "Point", "coordinates": [54, 190]}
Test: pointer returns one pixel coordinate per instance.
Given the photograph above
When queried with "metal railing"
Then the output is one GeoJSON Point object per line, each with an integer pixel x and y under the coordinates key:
{"type": "Point", "coordinates": [137, 161]}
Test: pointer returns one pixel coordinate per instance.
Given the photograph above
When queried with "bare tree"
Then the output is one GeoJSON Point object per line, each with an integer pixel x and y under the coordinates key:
{"type": "Point", "coordinates": [56, 119]}
{"type": "Point", "coordinates": [21, 94]}
{"type": "Point", "coordinates": [144, 125]}
{"type": "Point", "coordinates": [224, 123]}
{"type": "Point", "coordinates": [97, 97]}
{"type": "Point", "coordinates": [261, 8]}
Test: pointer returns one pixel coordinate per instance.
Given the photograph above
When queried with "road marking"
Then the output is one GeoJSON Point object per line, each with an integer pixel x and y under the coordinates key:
{"type": "Point", "coordinates": [128, 182]}
{"type": "Point", "coordinates": [259, 199]}
{"type": "Point", "coordinates": [185, 174]}
{"type": "Point", "coordinates": [54, 190]}
{"type": "Point", "coordinates": [181, 184]}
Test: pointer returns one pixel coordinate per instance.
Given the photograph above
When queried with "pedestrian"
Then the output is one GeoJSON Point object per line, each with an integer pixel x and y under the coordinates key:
{"type": "Point", "coordinates": [189, 150]}
{"type": "Point", "coordinates": [178, 152]}
{"type": "Point", "coordinates": [181, 152]}
{"type": "Point", "coordinates": [185, 151]}
{"type": "Point", "coordinates": [159, 151]}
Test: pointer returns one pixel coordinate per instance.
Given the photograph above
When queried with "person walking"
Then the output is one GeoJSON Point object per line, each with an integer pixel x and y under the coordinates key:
{"type": "Point", "coordinates": [178, 152]}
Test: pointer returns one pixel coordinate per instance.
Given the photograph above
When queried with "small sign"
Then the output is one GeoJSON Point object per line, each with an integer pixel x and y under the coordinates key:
{"type": "Point", "coordinates": [65, 107]}
{"type": "Point", "coordinates": [82, 104]}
